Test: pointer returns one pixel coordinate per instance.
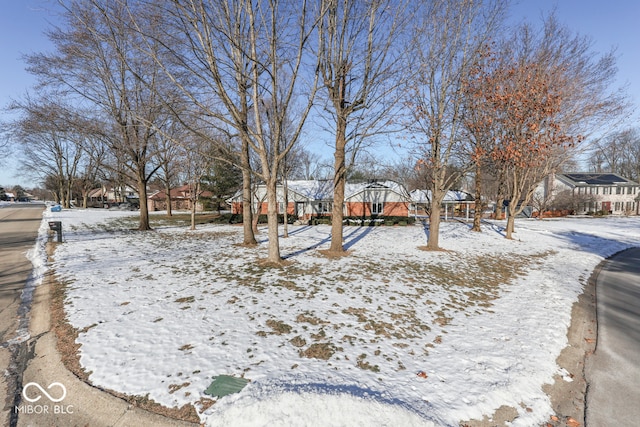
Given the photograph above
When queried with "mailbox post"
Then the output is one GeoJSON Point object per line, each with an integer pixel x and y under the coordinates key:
{"type": "Point", "coordinates": [57, 227]}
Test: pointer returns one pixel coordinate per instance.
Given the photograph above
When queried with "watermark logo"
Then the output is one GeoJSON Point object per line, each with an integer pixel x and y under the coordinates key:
{"type": "Point", "coordinates": [55, 392]}
{"type": "Point", "coordinates": [43, 391]}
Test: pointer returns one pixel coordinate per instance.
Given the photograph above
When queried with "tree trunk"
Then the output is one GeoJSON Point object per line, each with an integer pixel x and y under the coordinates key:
{"type": "Point", "coordinates": [339, 182]}
{"type": "Point", "coordinates": [144, 210]}
{"type": "Point", "coordinates": [167, 189]}
{"type": "Point", "coordinates": [510, 224]}
{"type": "Point", "coordinates": [499, 205]}
{"type": "Point", "coordinates": [434, 224]}
{"type": "Point", "coordinates": [477, 216]}
{"type": "Point", "coordinates": [247, 223]}
{"type": "Point", "coordinates": [272, 221]}
{"type": "Point", "coordinates": [193, 214]}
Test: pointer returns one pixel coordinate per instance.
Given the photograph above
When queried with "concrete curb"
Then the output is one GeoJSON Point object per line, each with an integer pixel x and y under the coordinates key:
{"type": "Point", "coordinates": [568, 395]}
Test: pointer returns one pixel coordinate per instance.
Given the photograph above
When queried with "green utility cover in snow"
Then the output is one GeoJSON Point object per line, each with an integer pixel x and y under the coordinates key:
{"type": "Point", "coordinates": [224, 384]}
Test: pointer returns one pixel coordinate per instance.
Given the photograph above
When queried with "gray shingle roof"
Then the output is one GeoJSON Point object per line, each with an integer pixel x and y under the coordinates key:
{"type": "Point", "coordinates": [596, 178]}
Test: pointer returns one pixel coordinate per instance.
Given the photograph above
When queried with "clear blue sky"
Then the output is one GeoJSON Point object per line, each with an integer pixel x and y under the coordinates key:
{"type": "Point", "coordinates": [614, 23]}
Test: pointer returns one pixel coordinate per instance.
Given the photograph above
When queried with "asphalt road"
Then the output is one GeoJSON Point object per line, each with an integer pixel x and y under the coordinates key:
{"type": "Point", "coordinates": [18, 231]}
{"type": "Point", "coordinates": [613, 371]}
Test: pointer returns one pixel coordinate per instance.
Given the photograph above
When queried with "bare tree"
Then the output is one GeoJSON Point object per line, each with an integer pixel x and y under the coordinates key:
{"type": "Point", "coordinates": [90, 168]}
{"type": "Point", "coordinates": [360, 57]}
{"type": "Point", "coordinates": [170, 146]}
{"type": "Point", "coordinates": [242, 61]}
{"type": "Point", "coordinates": [197, 161]}
{"type": "Point", "coordinates": [449, 39]}
{"type": "Point", "coordinates": [207, 56]}
{"type": "Point", "coordinates": [619, 153]}
{"type": "Point", "coordinates": [51, 148]}
{"type": "Point", "coordinates": [96, 63]}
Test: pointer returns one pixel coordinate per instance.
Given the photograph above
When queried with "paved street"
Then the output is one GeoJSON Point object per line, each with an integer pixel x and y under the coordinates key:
{"type": "Point", "coordinates": [613, 371]}
{"type": "Point", "coordinates": [18, 230]}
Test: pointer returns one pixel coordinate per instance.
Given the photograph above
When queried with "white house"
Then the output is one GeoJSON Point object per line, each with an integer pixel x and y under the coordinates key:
{"type": "Point", "coordinates": [591, 193]}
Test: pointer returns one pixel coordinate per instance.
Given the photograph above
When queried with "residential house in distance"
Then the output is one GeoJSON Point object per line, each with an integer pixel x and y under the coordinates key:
{"type": "Point", "coordinates": [309, 199]}
{"type": "Point", "coordinates": [590, 193]}
{"type": "Point", "coordinates": [180, 199]}
{"type": "Point", "coordinates": [108, 196]}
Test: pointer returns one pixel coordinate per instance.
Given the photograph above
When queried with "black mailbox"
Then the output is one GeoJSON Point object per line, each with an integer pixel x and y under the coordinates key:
{"type": "Point", "coordinates": [57, 227]}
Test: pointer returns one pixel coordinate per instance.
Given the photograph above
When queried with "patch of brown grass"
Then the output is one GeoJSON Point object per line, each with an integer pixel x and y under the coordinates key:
{"type": "Point", "coordinates": [186, 300]}
{"type": "Point", "coordinates": [298, 341]}
{"type": "Point", "coordinates": [278, 327]}
{"type": "Point", "coordinates": [322, 351]}
{"type": "Point", "coordinates": [428, 249]}
{"type": "Point", "coordinates": [303, 318]}
{"type": "Point", "coordinates": [175, 387]}
{"type": "Point", "coordinates": [334, 254]}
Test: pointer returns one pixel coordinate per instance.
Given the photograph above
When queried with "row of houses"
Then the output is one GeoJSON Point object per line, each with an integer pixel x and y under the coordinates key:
{"type": "Point", "coordinates": [156, 200]}
{"type": "Point", "coordinates": [582, 193]}
{"type": "Point", "coordinates": [577, 193]}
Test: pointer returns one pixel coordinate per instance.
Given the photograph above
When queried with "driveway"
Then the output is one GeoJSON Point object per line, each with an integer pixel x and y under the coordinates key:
{"type": "Point", "coordinates": [613, 371]}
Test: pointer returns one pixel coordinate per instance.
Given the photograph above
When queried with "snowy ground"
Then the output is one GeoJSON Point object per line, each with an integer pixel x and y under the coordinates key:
{"type": "Point", "coordinates": [390, 335]}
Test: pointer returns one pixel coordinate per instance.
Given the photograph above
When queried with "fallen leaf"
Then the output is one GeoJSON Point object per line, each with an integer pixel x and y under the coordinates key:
{"type": "Point", "coordinates": [590, 340]}
{"type": "Point", "coordinates": [572, 423]}
{"type": "Point", "coordinates": [422, 374]}
{"type": "Point", "coordinates": [554, 418]}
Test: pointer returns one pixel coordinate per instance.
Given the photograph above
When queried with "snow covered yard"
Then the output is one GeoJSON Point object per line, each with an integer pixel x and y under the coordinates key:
{"type": "Point", "coordinates": [390, 335]}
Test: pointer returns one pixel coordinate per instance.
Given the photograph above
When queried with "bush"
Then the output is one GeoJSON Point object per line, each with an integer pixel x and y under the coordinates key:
{"type": "Point", "coordinates": [379, 220]}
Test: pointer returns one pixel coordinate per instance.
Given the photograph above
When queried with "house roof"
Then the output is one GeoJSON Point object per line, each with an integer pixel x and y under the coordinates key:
{"type": "Point", "coordinates": [96, 192]}
{"type": "Point", "coordinates": [594, 179]}
{"type": "Point", "coordinates": [452, 196]}
{"type": "Point", "coordinates": [312, 189]}
{"type": "Point", "coordinates": [322, 190]}
{"type": "Point", "coordinates": [351, 189]}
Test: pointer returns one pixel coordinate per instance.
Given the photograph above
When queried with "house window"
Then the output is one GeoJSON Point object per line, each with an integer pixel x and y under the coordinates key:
{"type": "Point", "coordinates": [324, 207]}
{"type": "Point", "coordinates": [377, 208]}
{"type": "Point", "coordinates": [280, 207]}
{"type": "Point", "coordinates": [605, 190]}
{"type": "Point", "coordinates": [618, 189]}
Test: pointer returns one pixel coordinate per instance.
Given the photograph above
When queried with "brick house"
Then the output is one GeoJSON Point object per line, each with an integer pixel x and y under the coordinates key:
{"type": "Point", "coordinates": [180, 199]}
{"type": "Point", "coordinates": [314, 198]}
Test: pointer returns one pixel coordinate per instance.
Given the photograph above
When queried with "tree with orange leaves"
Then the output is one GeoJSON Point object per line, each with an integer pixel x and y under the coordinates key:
{"type": "Point", "coordinates": [527, 102]}
{"type": "Point", "coordinates": [531, 103]}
